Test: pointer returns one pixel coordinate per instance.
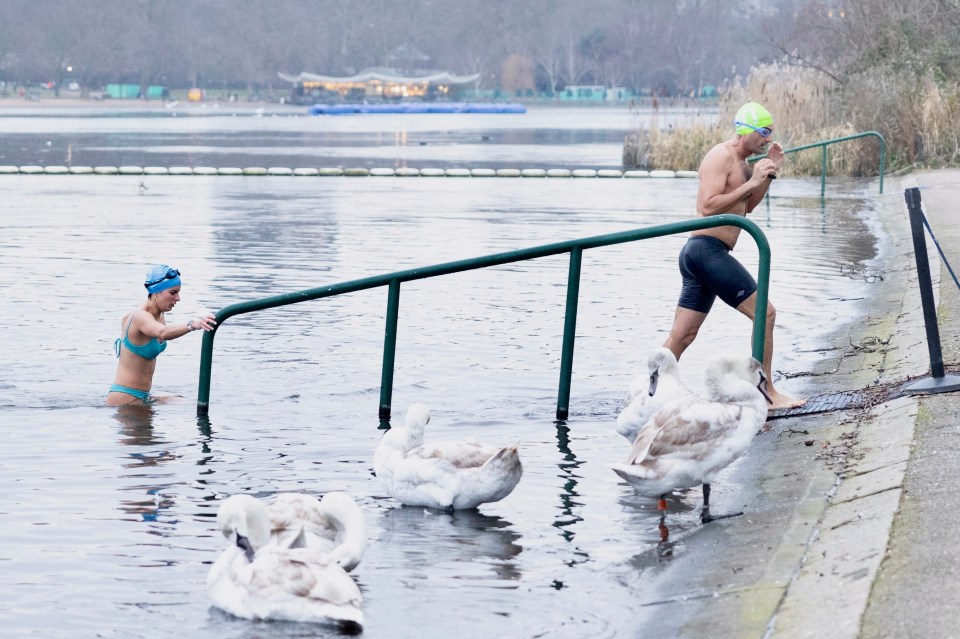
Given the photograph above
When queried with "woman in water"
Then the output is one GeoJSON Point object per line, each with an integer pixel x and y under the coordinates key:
{"type": "Point", "coordinates": [144, 333]}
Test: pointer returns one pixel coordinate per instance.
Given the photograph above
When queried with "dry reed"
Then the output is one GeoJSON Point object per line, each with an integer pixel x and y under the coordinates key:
{"type": "Point", "coordinates": [918, 117]}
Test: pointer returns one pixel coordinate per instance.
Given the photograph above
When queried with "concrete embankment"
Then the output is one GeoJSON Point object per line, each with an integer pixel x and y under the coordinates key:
{"type": "Point", "coordinates": [915, 593]}
{"type": "Point", "coordinates": [848, 517]}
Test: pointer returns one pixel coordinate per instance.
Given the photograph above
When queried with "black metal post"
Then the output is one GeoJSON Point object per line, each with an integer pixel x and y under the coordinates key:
{"type": "Point", "coordinates": [938, 382]}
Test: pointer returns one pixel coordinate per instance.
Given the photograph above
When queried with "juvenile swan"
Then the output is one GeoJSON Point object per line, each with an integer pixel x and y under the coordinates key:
{"type": "Point", "coordinates": [687, 443]}
{"type": "Point", "coordinates": [334, 524]}
{"type": "Point", "coordinates": [648, 394]}
{"type": "Point", "coordinates": [257, 578]}
{"type": "Point", "coordinates": [449, 476]}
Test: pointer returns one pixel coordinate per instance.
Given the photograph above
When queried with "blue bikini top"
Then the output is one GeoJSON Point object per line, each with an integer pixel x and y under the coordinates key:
{"type": "Point", "coordinates": [150, 350]}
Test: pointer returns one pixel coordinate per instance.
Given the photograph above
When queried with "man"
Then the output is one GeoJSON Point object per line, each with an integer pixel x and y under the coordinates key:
{"type": "Point", "coordinates": [727, 185]}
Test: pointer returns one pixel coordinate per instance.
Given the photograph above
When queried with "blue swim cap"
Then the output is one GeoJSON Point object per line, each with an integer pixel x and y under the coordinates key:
{"type": "Point", "coordinates": [161, 277]}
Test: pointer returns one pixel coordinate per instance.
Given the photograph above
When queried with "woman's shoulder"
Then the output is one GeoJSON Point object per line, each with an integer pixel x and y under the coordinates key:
{"type": "Point", "coordinates": [139, 316]}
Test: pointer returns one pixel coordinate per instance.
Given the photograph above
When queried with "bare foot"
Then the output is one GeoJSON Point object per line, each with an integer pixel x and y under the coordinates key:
{"type": "Point", "coordinates": [779, 400]}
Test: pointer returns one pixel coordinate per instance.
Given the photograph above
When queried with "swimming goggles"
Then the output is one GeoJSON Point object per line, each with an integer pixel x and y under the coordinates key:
{"type": "Point", "coordinates": [763, 131]}
{"type": "Point", "coordinates": [169, 275]}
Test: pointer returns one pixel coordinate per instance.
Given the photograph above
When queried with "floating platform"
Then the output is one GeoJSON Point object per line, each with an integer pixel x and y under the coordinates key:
{"type": "Point", "coordinates": [417, 107]}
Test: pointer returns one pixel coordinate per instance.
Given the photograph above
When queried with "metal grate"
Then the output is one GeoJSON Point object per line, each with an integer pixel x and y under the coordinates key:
{"type": "Point", "coordinates": [822, 404]}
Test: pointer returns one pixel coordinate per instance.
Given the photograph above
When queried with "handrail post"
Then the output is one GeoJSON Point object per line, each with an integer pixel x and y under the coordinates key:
{"type": "Point", "coordinates": [389, 351]}
{"type": "Point", "coordinates": [206, 365]}
{"type": "Point", "coordinates": [823, 171]}
{"type": "Point", "coordinates": [939, 382]}
{"type": "Point", "coordinates": [569, 333]}
{"type": "Point", "coordinates": [763, 285]}
{"type": "Point", "coordinates": [883, 158]}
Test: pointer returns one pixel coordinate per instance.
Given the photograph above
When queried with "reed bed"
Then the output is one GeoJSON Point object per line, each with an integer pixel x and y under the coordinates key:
{"type": "Point", "coordinates": [918, 117]}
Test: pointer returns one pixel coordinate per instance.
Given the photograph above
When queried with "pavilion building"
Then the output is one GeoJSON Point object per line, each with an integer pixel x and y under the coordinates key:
{"type": "Point", "coordinates": [377, 85]}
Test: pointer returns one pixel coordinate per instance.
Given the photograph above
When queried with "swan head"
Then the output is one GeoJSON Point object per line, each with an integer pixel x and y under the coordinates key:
{"type": "Point", "coordinates": [661, 360]}
{"type": "Point", "coordinates": [735, 377]}
{"type": "Point", "coordinates": [245, 522]}
{"type": "Point", "coordinates": [409, 436]}
{"type": "Point", "coordinates": [418, 416]}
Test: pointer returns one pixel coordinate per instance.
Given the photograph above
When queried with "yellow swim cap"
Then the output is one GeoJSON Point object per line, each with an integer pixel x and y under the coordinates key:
{"type": "Point", "coordinates": [753, 114]}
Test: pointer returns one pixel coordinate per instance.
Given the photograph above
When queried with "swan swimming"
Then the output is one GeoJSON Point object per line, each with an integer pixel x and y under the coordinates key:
{"type": "Point", "coordinates": [649, 394]}
{"type": "Point", "coordinates": [687, 443]}
{"type": "Point", "coordinates": [257, 578]}
{"type": "Point", "coordinates": [448, 476]}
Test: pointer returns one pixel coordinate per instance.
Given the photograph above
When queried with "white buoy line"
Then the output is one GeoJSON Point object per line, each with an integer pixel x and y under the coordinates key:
{"type": "Point", "coordinates": [337, 171]}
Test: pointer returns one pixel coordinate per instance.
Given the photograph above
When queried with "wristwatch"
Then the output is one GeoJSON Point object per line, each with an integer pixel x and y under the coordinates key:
{"type": "Point", "coordinates": [190, 325]}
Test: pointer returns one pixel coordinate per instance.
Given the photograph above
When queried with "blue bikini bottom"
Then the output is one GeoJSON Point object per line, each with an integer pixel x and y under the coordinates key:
{"type": "Point", "coordinates": [143, 396]}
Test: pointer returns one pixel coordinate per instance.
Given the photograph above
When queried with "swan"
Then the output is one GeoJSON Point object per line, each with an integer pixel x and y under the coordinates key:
{"type": "Point", "coordinates": [649, 394]}
{"type": "Point", "coordinates": [449, 476]}
{"type": "Point", "coordinates": [334, 524]}
{"type": "Point", "coordinates": [257, 578]}
{"type": "Point", "coordinates": [688, 442]}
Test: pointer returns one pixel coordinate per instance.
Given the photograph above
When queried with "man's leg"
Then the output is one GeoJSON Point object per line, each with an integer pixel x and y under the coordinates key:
{"type": "Point", "coordinates": [686, 325]}
{"type": "Point", "coordinates": [749, 308]}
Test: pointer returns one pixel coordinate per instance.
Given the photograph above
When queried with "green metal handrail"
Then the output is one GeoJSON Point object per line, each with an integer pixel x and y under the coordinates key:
{"type": "Point", "coordinates": [574, 247]}
{"type": "Point", "coordinates": [823, 161]}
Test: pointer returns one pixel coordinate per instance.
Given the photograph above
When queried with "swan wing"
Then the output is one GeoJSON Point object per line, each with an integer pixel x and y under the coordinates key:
{"type": "Point", "coordinates": [491, 482]}
{"type": "Point", "coordinates": [301, 585]}
{"type": "Point", "coordinates": [465, 454]}
{"type": "Point", "coordinates": [416, 481]}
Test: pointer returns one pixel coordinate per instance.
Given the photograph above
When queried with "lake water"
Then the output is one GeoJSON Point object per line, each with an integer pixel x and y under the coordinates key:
{"type": "Point", "coordinates": [108, 515]}
{"type": "Point", "coordinates": [287, 137]}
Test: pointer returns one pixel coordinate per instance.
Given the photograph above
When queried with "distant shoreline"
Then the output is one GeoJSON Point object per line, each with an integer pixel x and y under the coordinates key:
{"type": "Point", "coordinates": [18, 106]}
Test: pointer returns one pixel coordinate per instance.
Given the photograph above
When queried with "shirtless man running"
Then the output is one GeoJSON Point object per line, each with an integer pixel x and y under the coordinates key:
{"type": "Point", "coordinates": [727, 185]}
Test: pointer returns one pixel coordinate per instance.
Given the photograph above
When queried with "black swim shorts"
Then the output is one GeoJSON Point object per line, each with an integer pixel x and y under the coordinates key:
{"type": "Point", "coordinates": [709, 271]}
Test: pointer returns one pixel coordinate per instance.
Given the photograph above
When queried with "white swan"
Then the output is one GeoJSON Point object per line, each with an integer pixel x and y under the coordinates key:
{"type": "Point", "coordinates": [334, 524]}
{"type": "Point", "coordinates": [687, 443]}
{"type": "Point", "coordinates": [256, 578]}
{"type": "Point", "coordinates": [648, 394]}
{"type": "Point", "coordinates": [449, 476]}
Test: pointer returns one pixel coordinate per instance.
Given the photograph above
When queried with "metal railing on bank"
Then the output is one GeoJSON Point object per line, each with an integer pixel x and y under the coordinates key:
{"type": "Point", "coordinates": [823, 144]}
{"type": "Point", "coordinates": [574, 247]}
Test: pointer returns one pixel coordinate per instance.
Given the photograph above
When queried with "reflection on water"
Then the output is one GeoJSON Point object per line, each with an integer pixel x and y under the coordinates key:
{"type": "Point", "coordinates": [145, 461]}
{"type": "Point", "coordinates": [136, 425]}
{"type": "Point", "coordinates": [663, 530]}
{"type": "Point", "coordinates": [568, 467]}
{"type": "Point", "coordinates": [463, 536]}
{"type": "Point", "coordinates": [109, 513]}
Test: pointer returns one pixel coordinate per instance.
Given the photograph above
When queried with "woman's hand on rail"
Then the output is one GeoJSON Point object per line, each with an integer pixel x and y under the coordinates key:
{"type": "Point", "coordinates": [206, 322]}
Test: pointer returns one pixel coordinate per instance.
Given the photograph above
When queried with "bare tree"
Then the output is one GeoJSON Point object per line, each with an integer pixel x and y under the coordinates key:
{"type": "Point", "coordinates": [222, 42]}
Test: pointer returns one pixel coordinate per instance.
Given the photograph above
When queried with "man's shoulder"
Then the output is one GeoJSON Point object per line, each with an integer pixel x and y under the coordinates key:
{"type": "Point", "coordinates": [720, 155]}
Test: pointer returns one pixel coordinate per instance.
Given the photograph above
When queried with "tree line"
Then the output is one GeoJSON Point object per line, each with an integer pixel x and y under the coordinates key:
{"type": "Point", "coordinates": [667, 47]}
{"type": "Point", "coordinates": [845, 66]}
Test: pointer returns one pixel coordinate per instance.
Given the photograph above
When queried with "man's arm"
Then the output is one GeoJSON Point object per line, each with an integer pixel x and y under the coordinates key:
{"type": "Point", "coordinates": [756, 195]}
{"type": "Point", "coordinates": [715, 172]}
{"type": "Point", "coordinates": [767, 167]}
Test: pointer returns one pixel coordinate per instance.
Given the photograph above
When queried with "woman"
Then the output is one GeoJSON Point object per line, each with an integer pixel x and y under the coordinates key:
{"type": "Point", "coordinates": [143, 335]}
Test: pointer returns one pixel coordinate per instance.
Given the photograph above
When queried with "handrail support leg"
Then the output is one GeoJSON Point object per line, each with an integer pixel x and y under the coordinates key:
{"type": "Point", "coordinates": [389, 350]}
{"type": "Point", "coordinates": [569, 333]}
